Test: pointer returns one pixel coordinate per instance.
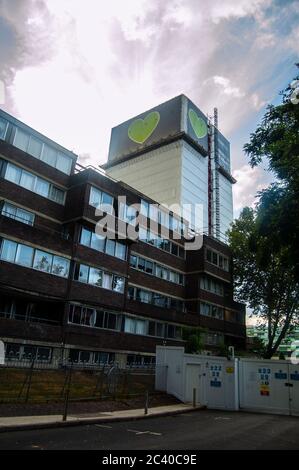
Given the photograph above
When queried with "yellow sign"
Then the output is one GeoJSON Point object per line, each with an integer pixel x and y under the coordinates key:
{"type": "Point", "coordinates": [229, 370]}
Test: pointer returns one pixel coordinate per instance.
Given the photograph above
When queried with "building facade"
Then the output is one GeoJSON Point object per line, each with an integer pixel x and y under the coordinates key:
{"type": "Point", "coordinates": [289, 346]}
{"type": "Point", "coordinates": [68, 294]}
{"type": "Point", "coordinates": [177, 156]}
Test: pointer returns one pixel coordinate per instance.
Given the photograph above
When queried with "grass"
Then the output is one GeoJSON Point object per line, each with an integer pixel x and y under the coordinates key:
{"type": "Point", "coordinates": [51, 385]}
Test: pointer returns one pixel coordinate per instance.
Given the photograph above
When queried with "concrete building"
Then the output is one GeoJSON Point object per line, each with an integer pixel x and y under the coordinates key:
{"type": "Point", "coordinates": [175, 155]}
{"type": "Point", "coordinates": [68, 294]}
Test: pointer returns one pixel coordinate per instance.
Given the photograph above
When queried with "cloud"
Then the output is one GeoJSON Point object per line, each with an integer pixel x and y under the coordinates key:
{"type": "Point", "coordinates": [24, 39]}
{"type": "Point", "coordinates": [249, 182]}
{"type": "Point", "coordinates": [73, 71]}
{"type": "Point", "coordinates": [228, 89]}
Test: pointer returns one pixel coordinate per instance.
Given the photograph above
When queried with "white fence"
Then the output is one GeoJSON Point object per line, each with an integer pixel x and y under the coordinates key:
{"type": "Point", "coordinates": [267, 386]}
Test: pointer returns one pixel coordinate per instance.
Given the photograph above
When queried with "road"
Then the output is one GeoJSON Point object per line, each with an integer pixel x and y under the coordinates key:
{"type": "Point", "coordinates": [199, 430]}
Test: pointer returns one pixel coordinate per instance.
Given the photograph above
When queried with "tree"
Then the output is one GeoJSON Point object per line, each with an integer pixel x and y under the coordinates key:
{"type": "Point", "coordinates": [194, 338]}
{"type": "Point", "coordinates": [277, 140]}
{"type": "Point", "coordinates": [264, 278]}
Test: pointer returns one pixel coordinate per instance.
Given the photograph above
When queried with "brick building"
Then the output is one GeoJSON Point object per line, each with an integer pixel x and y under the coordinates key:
{"type": "Point", "coordinates": [67, 293]}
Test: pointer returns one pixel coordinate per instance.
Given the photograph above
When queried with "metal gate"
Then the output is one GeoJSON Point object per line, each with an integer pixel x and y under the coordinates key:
{"type": "Point", "coordinates": [269, 386]}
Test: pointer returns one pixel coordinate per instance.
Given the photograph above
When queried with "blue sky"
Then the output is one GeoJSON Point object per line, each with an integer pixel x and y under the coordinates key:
{"type": "Point", "coordinates": [73, 69]}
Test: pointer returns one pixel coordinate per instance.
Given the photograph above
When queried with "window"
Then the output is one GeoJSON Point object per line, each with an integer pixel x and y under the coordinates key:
{"type": "Point", "coordinates": [110, 247]}
{"type": "Point", "coordinates": [177, 304]}
{"type": "Point", "coordinates": [141, 264]}
{"type": "Point", "coordinates": [31, 182]}
{"type": "Point", "coordinates": [111, 321]}
{"type": "Point", "coordinates": [170, 331]}
{"type": "Point", "coordinates": [13, 212]}
{"type": "Point", "coordinates": [144, 208]}
{"type": "Point", "coordinates": [8, 251]}
{"type": "Point", "coordinates": [83, 273]}
{"type": "Point", "coordinates": [131, 293]}
{"type": "Point", "coordinates": [42, 187]}
{"type": "Point", "coordinates": [210, 310]}
{"type": "Point", "coordinates": [120, 251]}
{"type": "Point", "coordinates": [27, 180]}
{"type": "Point", "coordinates": [217, 259]}
{"type": "Point", "coordinates": [131, 214]}
{"type": "Point", "coordinates": [35, 147]}
{"type": "Point", "coordinates": [142, 234]}
{"type": "Point", "coordinates": [107, 281]}
{"type": "Point", "coordinates": [133, 261]}
{"type": "Point", "coordinates": [174, 249]}
{"type": "Point", "coordinates": [118, 284]}
{"type": "Point", "coordinates": [64, 163]}
{"type": "Point", "coordinates": [154, 212]}
{"type": "Point", "coordinates": [156, 329]}
{"type": "Point", "coordinates": [102, 244]}
{"type": "Point", "coordinates": [30, 352]}
{"type": "Point", "coordinates": [12, 352]}
{"type": "Point", "coordinates": [174, 332]}
{"type": "Point", "coordinates": [92, 317]}
{"type": "Point", "coordinates": [49, 155]}
{"type": "Point", "coordinates": [107, 199]}
{"type": "Point", "coordinates": [57, 195]}
{"type": "Point", "coordinates": [95, 277]}
{"type": "Point", "coordinates": [143, 296]}
{"type": "Point", "coordinates": [97, 242]}
{"type": "Point", "coordinates": [135, 326]}
{"type": "Point", "coordinates": [211, 285]}
{"type": "Point", "coordinates": [149, 267]}
{"type": "Point", "coordinates": [90, 357]}
{"type": "Point", "coordinates": [43, 261]}
{"type": "Point", "coordinates": [60, 266]}
{"type": "Point", "coordinates": [98, 197]}
{"type": "Point", "coordinates": [159, 300]}
{"type": "Point", "coordinates": [21, 140]}
{"type": "Point", "coordinates": [99, 278]}
{"type": "Point", "coordinates": [34, 258]}
{"type": "Point", "coordinates": [155, 269]}
{"type": "Point", "coordinates": [209, 256]}
{"type": "Point", "coordinates": [164, 219]}
{"type": "Point", "coordinates": [44, 152]}
{"type": "Point", "coordinates": [3, 128]}
{"type": "Point", "coordinates": [85, 238]}
{"type": "Point", "coordinates": [13, 173]}
{"type": "Point", "coordinates": [141, 327]}
{"type": "Point", "coordinates": [167, 245]}
{"type": "Point", "coordinates": [24, 255]}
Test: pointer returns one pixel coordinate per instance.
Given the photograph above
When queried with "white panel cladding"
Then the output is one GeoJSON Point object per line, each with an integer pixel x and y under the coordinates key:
{"type": "Point", "coordinates": [157, 174]}
{"type": "Point", "coordinates": [195, 183]}
{"type": "Point", "coordinates": [226, 205]}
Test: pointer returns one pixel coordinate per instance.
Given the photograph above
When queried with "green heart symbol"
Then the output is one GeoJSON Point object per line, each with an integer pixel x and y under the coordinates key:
{"type": "Point", "coordinates": [141, 129]}
{"type": "Point", "coordinates": [198, 124]}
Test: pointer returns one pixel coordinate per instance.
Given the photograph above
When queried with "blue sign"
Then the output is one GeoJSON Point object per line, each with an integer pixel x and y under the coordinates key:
{"type": "Point", "coordinates": [215, 383]}
{"type": "Point", "coordinates": [280, 375]}
{"type": "Point", "coordinates": [295, 376]}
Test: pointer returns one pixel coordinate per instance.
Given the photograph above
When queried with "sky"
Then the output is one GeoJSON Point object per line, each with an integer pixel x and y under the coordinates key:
{"type": "Point", "coordinates": [73, 69]}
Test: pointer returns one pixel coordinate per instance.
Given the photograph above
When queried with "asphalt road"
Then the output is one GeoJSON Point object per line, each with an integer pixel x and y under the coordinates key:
{"type": "Point", "coordinates": [200, 430]}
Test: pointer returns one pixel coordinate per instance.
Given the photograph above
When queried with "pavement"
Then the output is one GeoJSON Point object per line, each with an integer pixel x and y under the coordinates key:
{"type": "Point", "coordinates": [19, 423]}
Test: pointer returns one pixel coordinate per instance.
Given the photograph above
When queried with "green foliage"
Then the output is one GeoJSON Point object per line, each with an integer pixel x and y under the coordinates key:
{"type": "Point", "coordinates": [265, 241]}
{"type": "Point", "coordinates": [277, 140]}
{"type": "Point", "coordinates": [264, 278]}
{"type": "Point", "coordinates": [194, 338]}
